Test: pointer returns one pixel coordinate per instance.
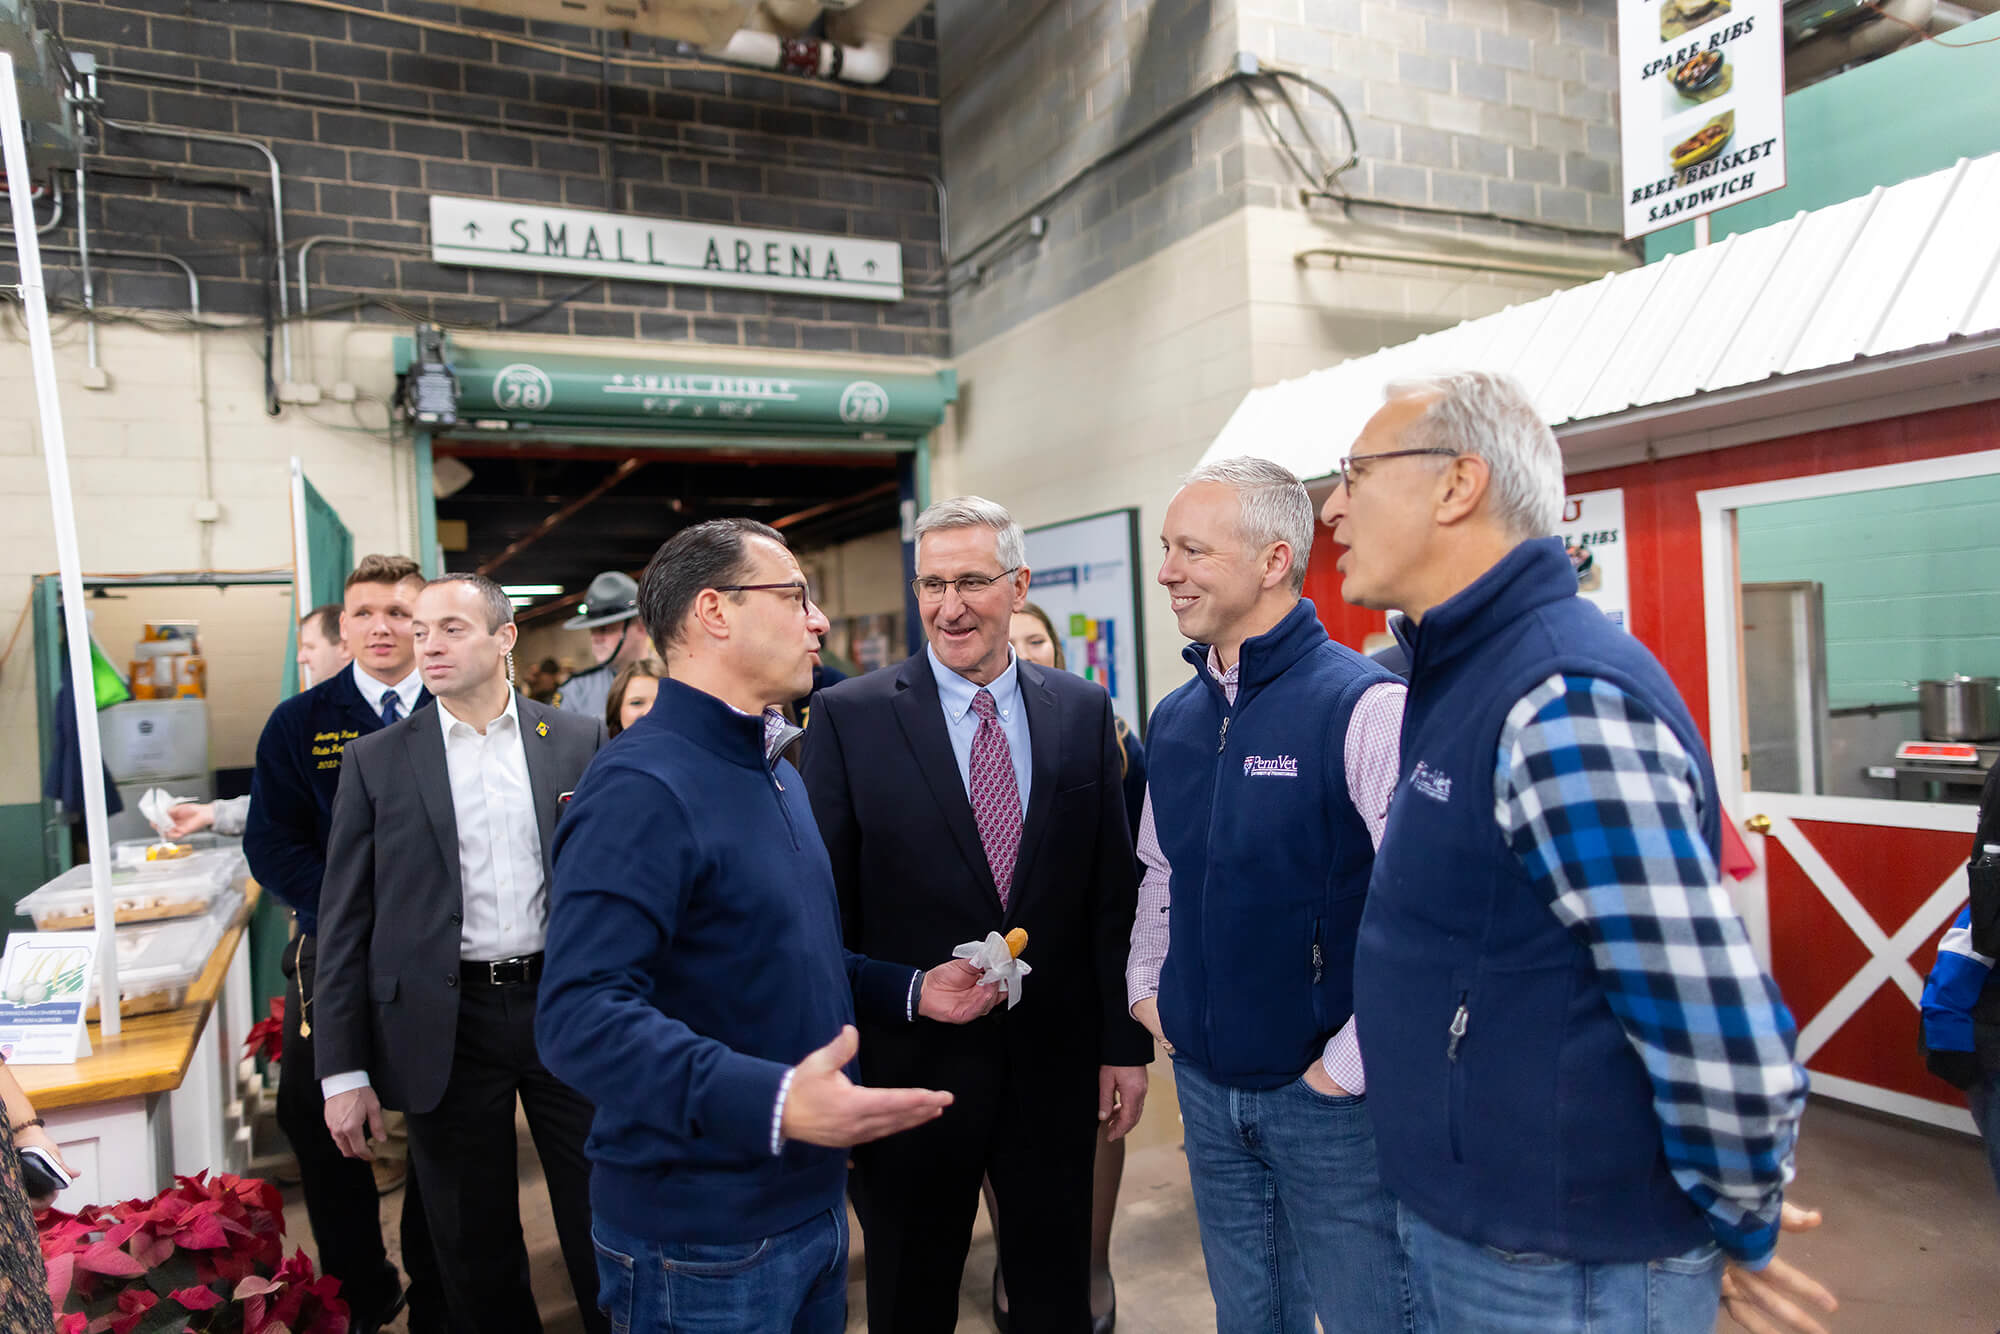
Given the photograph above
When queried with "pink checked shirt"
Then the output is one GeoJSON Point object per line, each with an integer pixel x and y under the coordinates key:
{"type": "Point", "coordinates": [1372, 752]}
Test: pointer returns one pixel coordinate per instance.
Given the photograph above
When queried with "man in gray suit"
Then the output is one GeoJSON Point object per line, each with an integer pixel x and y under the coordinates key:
{"type": "Point", "coordinates": [431, 926]}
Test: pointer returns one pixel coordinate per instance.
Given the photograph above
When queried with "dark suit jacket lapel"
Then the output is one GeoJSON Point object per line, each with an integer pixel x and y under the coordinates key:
{"type": "Point", "coordinates": [424, 737]}
{"type": "Point", "coordinates": [541, 751]}
{"type": "Point", "coordinates": [1045, 736]}
{"type": "Point", "coordinates": [921, 715]}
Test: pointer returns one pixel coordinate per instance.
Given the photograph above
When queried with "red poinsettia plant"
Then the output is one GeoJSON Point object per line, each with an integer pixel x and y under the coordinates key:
{"type": "Point", "coordinates": [266, 1038]}
{"type": "Point", "coordinates": [203, 1257]}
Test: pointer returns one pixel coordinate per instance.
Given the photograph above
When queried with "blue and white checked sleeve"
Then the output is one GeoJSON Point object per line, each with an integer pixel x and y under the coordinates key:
{"type": "Point", "coordinates": [1603, 805]}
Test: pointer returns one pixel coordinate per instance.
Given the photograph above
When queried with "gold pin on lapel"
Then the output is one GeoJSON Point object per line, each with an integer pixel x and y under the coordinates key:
{"type": "Point", "coordinates": [541, 729]}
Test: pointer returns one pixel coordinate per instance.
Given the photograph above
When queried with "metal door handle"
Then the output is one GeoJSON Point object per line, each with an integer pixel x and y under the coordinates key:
{"type": "Point", "coordinates": [1758, 824]}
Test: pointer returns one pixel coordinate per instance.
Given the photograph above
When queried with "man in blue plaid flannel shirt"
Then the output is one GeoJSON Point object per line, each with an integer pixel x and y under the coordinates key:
{"type": "Point", "coordinates": [1582, 1082]}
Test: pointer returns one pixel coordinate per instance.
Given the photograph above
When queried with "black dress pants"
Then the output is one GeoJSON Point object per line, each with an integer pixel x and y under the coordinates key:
{"type": "Point", "coordinates": [1034, 1133]}
{"type": "Point", "coordinates": [342, 1204]}
{"type": "Point", "coordinates": [464, 1152]}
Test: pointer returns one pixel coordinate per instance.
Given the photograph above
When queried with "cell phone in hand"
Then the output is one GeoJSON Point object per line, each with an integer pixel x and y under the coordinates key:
{"type": "Point", "coordinates": [41, 1174]}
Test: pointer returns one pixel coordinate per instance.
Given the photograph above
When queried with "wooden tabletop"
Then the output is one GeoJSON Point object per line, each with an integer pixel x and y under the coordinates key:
{"type": "Point", "coordinates": [151, 1055]}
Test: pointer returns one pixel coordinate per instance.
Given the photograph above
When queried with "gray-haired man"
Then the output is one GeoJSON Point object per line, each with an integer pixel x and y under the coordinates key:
{"type": "Point", "coordinates": [963, 792]}
{"type": "Point", "coordinates": [1268, 783]}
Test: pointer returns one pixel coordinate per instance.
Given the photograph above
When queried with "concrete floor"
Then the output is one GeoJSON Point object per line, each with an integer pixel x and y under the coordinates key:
{"type": "Point", "coordinates": [1911, 1243]}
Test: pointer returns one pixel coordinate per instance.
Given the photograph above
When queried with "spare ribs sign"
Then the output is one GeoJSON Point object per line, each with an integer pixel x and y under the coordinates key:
{"type": "Point", "coordinates": [1702, 99]}
{"type": "Point", "coordinates": [491, 234]}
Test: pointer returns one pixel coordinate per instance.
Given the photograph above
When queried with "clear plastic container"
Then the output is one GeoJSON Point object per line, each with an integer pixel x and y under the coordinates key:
{"type": "Point", "coordinates": [159, 961]}
{"type": "Point", "coordinates": [182, 888]}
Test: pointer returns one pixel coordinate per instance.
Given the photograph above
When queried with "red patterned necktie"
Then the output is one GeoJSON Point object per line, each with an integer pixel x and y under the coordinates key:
{"type": "Point", "coordinates": [996, 797]}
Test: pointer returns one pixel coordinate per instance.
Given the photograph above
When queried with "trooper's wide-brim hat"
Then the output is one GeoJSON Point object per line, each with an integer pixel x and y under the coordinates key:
{"type": "Point", "coordinates": [612, 597]}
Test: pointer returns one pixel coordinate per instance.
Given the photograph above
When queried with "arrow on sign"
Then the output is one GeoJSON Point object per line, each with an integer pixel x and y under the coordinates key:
{"type": "Point", "coordinates": [472, 230]}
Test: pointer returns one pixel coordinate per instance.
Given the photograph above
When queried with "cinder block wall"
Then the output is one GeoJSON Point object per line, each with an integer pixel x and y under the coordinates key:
{"type": "Point", "coordinates": [370, 115]}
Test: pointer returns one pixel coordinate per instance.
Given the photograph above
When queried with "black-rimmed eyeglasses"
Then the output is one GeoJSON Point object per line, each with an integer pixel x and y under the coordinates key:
{"type": "Point", "coordinates": [803, 592]}
{"type": "Point", "coordinates": [931, 588]}
{"type": "Point", "coordinates": [1351, 466]}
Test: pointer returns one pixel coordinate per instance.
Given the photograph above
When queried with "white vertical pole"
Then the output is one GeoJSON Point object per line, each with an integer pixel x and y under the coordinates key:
{"type": "Point", "coordinates": [34, 304]}
{"type": "Point", "coordinates": [1701, 231]}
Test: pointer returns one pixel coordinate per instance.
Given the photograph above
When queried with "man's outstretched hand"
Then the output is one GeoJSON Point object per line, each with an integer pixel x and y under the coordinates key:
{"type": "Point", "coordinates": [1779, 1298]}
{"type": "Point", "coordinates": [826, 1107]}
{"type": "Point", "coordinates": [951, 994]}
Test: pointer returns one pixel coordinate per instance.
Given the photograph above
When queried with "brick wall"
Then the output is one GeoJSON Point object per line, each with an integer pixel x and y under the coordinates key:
{"type": "Point", "coordinates": [1031, 95]}
{"type": "Point", "coordinates": [369, 116]}
{"type": "Point", "coordinates": [1500, 107]}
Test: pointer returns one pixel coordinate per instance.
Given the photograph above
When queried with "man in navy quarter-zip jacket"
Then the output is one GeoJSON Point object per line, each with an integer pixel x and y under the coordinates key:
{"type": "Point", "coordinates": [696, 989]}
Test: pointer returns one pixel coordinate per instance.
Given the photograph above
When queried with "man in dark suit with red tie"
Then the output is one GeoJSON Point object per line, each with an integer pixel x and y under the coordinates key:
{"type": "Point", "coordinates": [963, 792]}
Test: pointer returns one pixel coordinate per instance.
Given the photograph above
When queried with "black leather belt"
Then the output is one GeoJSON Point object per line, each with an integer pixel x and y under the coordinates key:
{"type": "Point", "coordinates": [517, 972]}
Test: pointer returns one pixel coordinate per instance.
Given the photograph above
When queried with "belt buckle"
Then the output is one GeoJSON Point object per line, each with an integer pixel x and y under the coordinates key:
{"type": "Point", "coordinates": [507, 972]}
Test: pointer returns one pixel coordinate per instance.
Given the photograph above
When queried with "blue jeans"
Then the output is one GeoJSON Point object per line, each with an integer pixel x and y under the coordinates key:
{"type": "Point", "coordinates": [1984, 1098]}
{"type": "Point", "coordinates": [791, 1283]}
{"type": "Point", "coordinates": [1462, 1286]}
{"type": "Point", "coordinates": [1293, 1216]}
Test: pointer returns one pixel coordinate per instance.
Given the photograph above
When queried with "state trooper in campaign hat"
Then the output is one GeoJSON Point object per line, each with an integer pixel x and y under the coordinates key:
{"type": "Point", "coordinates": [611, 602]}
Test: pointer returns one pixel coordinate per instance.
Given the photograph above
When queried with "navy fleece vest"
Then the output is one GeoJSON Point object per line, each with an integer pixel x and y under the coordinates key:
{"type": "Point", "coordinates": [1533, 1129]}
{"type": "Point", "coordinates": [1270, 859]}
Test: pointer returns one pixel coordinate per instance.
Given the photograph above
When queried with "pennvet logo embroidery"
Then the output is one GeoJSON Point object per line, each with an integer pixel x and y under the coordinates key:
{"type": "Point", "coordinates": [1431, 782]}
{"type": "Point", "coordinates": [1277, 766]}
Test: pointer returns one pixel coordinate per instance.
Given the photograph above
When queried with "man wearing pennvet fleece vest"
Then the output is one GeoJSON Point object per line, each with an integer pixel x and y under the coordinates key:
{"type": "Point", "coordinates": [1582, 1083]}
{"type": "Point", "coordinates": [1270, 775]}
{"type": "Point", "coordinates": [696, 989]}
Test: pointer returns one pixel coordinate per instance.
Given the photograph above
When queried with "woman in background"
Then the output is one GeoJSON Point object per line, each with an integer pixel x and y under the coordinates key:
{"type": "Point", "coordinates": [632, 694]}
{"type": "Point", "coordinates": [1033, 635]}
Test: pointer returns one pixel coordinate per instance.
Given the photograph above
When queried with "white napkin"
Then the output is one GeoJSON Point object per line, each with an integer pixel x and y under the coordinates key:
{"type": "Point", "coordinates": [157, 806]}
{"type": "Point", "coordinates": [996, 964]}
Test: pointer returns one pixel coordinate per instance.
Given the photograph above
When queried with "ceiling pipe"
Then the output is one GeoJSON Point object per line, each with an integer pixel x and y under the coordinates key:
{"type": "Point", "coordinates": [860, 46]}
{"type": "Point", "coordinates": [1472, 262]}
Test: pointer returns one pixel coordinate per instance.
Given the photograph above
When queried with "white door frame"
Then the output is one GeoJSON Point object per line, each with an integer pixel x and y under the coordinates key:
{"type": "Point", "coordinates": [1888, 955]}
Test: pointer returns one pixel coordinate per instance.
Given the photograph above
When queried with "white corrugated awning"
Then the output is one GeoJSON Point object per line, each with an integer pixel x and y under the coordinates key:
{"type": "Point", "coordinates": [1877, 284]}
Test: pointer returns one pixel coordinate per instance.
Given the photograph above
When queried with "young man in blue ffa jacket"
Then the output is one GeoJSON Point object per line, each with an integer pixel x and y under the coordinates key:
{"type": "Point", "coordinates": [697, 991]}
{"type": "Point", "coordinates": [285, 839]}
{"type": "Point", "coordinates": [1269, 775]}
{"type": "Point", "coordinates": [1582, 1082]}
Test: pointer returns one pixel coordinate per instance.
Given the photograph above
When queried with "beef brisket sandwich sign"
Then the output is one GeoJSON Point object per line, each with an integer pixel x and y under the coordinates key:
{"type": "Point", "coordinates": [1702, 88]}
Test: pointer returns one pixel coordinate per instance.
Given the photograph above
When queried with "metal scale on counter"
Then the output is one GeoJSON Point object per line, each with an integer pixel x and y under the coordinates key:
{"type": "Point", "coordinates": [1961, 726]}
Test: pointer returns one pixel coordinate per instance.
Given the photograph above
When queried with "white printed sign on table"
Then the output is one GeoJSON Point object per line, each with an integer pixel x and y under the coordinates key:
{"type": "Point", "coordinates": [1702, 93]}
{"type": "Point", "coordinates": [1593, 529]}
{"type": "Point", "coordinates": [44, 996]}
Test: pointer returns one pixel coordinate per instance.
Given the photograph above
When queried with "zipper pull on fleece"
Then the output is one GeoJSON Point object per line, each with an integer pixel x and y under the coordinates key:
{"type": "Point", "coordinates": [1459, 1023]}
{"type": "Point", "coordinates": [1222, 742]}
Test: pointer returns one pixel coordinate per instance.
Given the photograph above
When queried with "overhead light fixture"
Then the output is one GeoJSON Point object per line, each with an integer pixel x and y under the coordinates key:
{"type": "Point", "coordinates": [531, 590]}
{"type": "Point", "coordinates": [522, 602]}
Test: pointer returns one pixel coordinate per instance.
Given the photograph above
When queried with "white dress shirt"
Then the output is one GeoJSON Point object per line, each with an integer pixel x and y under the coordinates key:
{"type": "Point", "coordinates": [500, 872]}
{"type": "Point", "coordinates": [955, 694]}
{"type": "Point", "coordinates": [373, 691]}
{"type": "Point", "coordinates": [499, 839]}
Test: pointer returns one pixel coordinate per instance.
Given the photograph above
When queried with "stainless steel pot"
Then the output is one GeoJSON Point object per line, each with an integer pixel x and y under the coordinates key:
{"type": "Point", "coordinates": [1960, 708]}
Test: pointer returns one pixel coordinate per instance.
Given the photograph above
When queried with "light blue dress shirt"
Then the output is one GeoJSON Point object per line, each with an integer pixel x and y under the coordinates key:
{"type": "Point", "coordinates": [955, 694]}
